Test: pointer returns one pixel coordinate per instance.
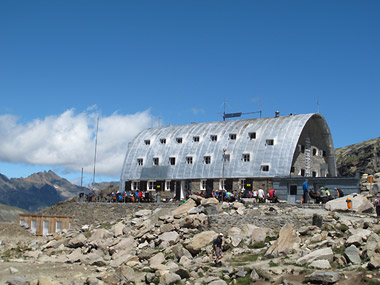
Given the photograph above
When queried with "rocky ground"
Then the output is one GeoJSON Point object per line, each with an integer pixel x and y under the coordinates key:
{"type": "Point", "coordinates": [167, 244]}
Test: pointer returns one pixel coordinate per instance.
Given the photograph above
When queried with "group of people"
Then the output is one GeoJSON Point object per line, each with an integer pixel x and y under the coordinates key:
{"type": "Point", "coordinates": [321, 195]}
{"type": "Point", "coordinates": [259, 196]}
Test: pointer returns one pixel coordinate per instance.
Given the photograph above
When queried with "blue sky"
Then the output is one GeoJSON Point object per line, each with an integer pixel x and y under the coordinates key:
{"type": "Point", "coordinates": [137, 64]}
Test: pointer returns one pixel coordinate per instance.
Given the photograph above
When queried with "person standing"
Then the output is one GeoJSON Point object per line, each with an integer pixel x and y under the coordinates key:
{"type": "Point", "coordinates": [261, 195]}
{"type": "Point", "coordinates": [218, 247]}
{"type": "Point", "coordinates": [305, 187]}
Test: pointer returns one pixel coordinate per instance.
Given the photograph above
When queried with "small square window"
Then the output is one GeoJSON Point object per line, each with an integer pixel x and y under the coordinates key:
{"type": "Point", "coordinates": [155, 161]}
{"type": "Point", "coordinates": [172, 160]}
{"type": "Point", "coordinates": [163, 141]}
{"type": "Point", "coordinates": [147, 142]}
{"type": "Point", "coordinates": [179, 140]}
{"type": "Point", "coordinates": [196, 139]}
{"type": "Point", "coordinates": [214, 138]}
{"type": "Point", "coordinates": [140, 161]}
{"type": "Point", "coordinates": [265, 168]}
{"type": "Point", "coordinates": [189, 160]}
{"type": "Point", "coordinates": [232, 136]}
{"type": "Point", "coordinates": [207, 159]}
{"type": "Point", "coordinates": [315, 152]}
{"type": "Point", "coordinates": [269, 142]}
{"type": "Point", "coordinates": [246, 157]}
{"type": "Point", "coordinates": [252, 135]}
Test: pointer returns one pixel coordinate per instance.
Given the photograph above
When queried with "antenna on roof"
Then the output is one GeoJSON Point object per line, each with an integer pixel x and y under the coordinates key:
{"type": "Point", "coordinates": [235, 115]}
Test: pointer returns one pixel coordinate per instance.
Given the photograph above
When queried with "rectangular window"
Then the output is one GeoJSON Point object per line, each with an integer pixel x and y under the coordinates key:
{"type": "Point", "coordinates": [147, 142]}
{"type": "Point", "coordinates": [232, 136]}
{"type": "Point", "coordinates": [22, 222]}
{"type": "Point", "coordinates": [315, 152]}
{"type": "Point", "coordinates": [167, 185]}
{"type": "Point", "coordinates": [172, 160]}
{"type": "Point", "coordinates": [203, 184]}
{"type": "Point", "coordinates": [196, 139]}
{"type": "Point", "coordinates": [226, 157]}
{"type": "Point", "coordinates": [265, 168]}
{"type": "Point", "coordinates": [163, 141]}
{"type": "Point", "coordinates": [207, 159]}
{"type": "Point", "coordinates": [155, 161]}
{"type": "Point", "coordinates": [140, 161]}
{"type": "Point", "coordinates": [58, 227]}
{"type": "Point", "coordinates": [222, 184]}
{"type": "Point", "coordinates": [135, 185]}
{"type": "Point", "coordinates": [302, 149]}
{"type": "Point", "coordinates": [242, 184]}
{"type": "Point", "coordinates": [269, 142]}
{"type": "Point", "coordinates": [292, 169]}
{"type": "Point", "coordinates": [246, 157]}
{"type": "Point", "coordinates": [302, 172]}
{"type": "Point", "coordinates": [323, 153]}
{"type": "Point", "coordinates": [214, 138]}
{"type": "Point", "coordinates": [151, 185]}
{"type": "Point", "coordinates": [314, 174]}
{"type": "Point", "coordinates": [34, 226]}
{"type": "Point", "coordinates": [252, 135]}
{"type": "Point", "coordinates": [178, 140]}
{"type": "Point", "coordinates": [189, 160]}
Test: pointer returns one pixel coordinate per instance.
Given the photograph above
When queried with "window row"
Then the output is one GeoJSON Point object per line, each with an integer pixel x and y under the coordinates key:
{"type": "Point", "coordinates": [246, 157]}
{"type": "Point", "coordinates": [214, 138]}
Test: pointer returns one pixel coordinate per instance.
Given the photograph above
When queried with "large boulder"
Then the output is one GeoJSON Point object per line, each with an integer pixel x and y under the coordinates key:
{"type": "Point", "coordinates": [287, 242]}
{"type": "Point", "coordinates": [210, 201]}
{"type": "Point", "coordinates": [323, 253]}
{"type": "Point", "coordinates": [200, 241]}
{"type": "Point", "coordinates": [352, 254]}
{"type": "Point", "coordinates": [78, 241]}
{"type": "Point", "coordinates": [234, 234]}
{"type": "Point", "coordinates": [169, 238]}
{"type": "Point", "coordinates": [100, 234]}
{"type": "Point", "coordinates": [184, 208]}
{"type": "Point", "coordinates": [360, 204]}
{"type": "Point", "coordinates": [323, 277]}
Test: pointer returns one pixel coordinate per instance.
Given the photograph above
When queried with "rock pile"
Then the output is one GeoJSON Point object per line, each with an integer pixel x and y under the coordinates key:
{"type": "Point", "coordinates": [175, 247]}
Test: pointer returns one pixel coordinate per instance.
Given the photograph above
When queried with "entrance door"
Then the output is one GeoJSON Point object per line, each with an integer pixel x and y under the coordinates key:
{"type": "Point", "coordinates": [45, 228]}
{"type": "Point", "coordinates": [178, 190]}
{"type": "Point", "coordinates": [292, 195]}
{"type": "Point", "coordinates": [34, 226]}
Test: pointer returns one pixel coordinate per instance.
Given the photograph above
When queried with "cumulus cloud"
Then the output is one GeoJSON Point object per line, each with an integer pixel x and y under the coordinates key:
{"type": "Point", "coordinates": [68, 140]}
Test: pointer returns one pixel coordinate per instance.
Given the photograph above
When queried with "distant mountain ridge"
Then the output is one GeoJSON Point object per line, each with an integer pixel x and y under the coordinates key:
{"type": "Point", "coordinates": [36, 191]}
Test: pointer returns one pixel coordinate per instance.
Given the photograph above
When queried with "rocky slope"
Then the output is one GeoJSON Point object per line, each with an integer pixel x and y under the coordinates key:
{"type": "Point", "coordinates": [37, 191]}
{"type": "Point", "coordinates": [266, 244]}
{"type": "Point", "coordinates": [10, 214]}
{"type": "Point", "coordinates": [363, 157]}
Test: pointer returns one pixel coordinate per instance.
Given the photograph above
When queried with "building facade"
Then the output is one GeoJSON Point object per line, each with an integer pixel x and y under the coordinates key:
{"type": "Point", "coordinates": [228, 155]}
{"type": "Point", "coordinates": [42, 225]}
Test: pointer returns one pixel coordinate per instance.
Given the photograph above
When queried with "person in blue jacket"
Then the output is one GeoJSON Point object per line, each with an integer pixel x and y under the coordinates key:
{"type": "Point", "coordinates": [305, 188]}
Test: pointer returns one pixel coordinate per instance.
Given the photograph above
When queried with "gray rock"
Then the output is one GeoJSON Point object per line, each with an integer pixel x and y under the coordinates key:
{"type": "Point", "coordinates": [100, 234]}
{"type": "Point", "coordinates": [169, 238]}
{"type": "Point", "coordinates": [218, 282]}
{"type": "Point", "coordinates": [287, 242]}
{"type": "Point", "coordinates": [320, 264]}
{"type": "Point", "coordinates": [254, 276]}
{"type": "Point", "coordinates": [170, 278]}
{"type": "Point", "coordinates": [352, 254]}
{"type": "Point", "coordinates": [143, 213]}
{"type": "Point", "coordinates": [93, 281]}
{"type": "Point", "coordinates": [200, 241]}
{"type": "Point", "coordinates": [323, 253]}
{"type": "Point", "coordinates": [211, 209]}
{"type": "Point", "coordinates": [180, 251]}
{"type": "Point", "coordinates": [241, 273]}
{"type": "Point", "coordinates": [16, 280]}
{"type": "Point", "coordinates": [13, 270]}
{"type": "Point", "coordinates": [324, 277]}
{"type": "Point", "coordinates": [78, 241]}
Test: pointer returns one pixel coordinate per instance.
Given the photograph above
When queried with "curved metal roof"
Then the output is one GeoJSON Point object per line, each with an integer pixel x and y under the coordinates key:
{"type": "Point", "coordinates": [283, 131]}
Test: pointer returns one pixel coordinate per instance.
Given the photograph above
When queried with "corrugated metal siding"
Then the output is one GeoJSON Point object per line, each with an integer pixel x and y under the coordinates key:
{"type": "Point", "coordinates": [285, 131]}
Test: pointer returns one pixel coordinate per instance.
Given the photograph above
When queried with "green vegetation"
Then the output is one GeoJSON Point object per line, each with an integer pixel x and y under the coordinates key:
{"type": "Point", "coordinates": [244, 259]}
{"type": "Point", "coordinates": [339, 250]}
{"type": "Point", "coordinates": [260, 244]}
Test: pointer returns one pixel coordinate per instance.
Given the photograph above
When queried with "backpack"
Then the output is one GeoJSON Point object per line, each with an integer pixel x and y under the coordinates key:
{"type": "Point", "coordinates": [376, 203]}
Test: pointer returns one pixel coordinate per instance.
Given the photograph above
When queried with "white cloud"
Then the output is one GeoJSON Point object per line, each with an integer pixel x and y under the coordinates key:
{"type": "Point", "coordinates": [197, 111]}
{"type": "Point", "coordinates": [68, 140]}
